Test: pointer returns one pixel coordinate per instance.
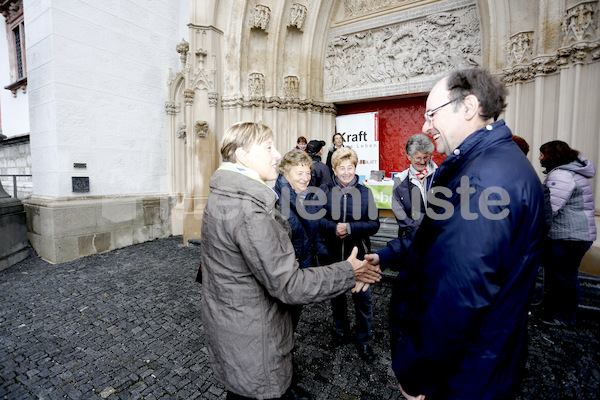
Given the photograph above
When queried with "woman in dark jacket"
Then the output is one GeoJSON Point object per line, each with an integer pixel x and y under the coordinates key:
{"type": "Point", "coordinates": [292, 182]}
{"type": "Point", "coordinates": [291, 187]}
{"type": "Point", "coordinates": [337, 142]}
{"type": "Point", "coordinates": [351, 219]}
{"type": "Point", "coordinates": [572, 231]}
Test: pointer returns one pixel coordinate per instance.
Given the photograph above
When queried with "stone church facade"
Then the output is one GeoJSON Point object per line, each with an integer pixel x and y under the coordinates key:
{"type": "Point", "coordinates": [289, 63]}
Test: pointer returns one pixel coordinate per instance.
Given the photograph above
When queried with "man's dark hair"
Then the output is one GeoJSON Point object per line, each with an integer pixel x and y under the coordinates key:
{"type": "Point", "coordinates": [557, 153]}
{"type": "Point", "coordinates": [488, 89]}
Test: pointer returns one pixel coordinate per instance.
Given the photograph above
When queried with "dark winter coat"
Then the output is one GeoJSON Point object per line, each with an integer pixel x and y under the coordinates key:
{"type": "Point", "coordinates": [320, 174]}
{"type": "Point", "coordinates": [304, 231]}
{"type": "Point", "coordinates": [356, 206]}
{"type": "Point", "coordinates": [459, 306]}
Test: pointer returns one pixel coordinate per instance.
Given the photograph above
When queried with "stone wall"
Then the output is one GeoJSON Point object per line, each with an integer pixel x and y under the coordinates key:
{"type": "Point", "coordinates": [15, 159]}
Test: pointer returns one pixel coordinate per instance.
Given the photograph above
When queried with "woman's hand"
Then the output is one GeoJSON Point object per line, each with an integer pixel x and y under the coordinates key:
{"type": "Point", "coordinates": [341, 230]}
{"type": "Point", "coordinates": [364, 272]}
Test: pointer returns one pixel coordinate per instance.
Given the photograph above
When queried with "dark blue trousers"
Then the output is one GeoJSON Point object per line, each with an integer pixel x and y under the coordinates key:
{"type": "Point", "coordinates": [364, 315]}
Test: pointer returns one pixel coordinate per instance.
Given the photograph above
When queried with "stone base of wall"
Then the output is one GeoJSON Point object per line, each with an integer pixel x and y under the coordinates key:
{"type": "Point", "coordinates": [65, 229]}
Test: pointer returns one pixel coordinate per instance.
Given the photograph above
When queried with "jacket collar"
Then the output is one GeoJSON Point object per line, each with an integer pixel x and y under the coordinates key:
{"type": "Point", "coordinates": [488, 136]}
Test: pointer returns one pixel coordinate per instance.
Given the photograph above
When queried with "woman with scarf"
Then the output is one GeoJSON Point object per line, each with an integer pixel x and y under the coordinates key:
{"type": "Point", "coordinates": [351, 218]}
{"type": "Point", "coordinates": [409, 200]}
{"type": "Point", "coordinates": [250, 276]}
{"type": "Point", "coordinates": [291, 187]}
{"type": "Point", "coordinates": [572, 231]}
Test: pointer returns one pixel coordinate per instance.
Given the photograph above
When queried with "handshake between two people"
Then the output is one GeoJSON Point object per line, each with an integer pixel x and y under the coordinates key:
{"type": "Point", "coordinates": [366, 272]}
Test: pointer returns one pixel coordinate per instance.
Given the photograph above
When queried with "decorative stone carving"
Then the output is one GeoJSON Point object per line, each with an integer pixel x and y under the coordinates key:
{"type": "Point", "coordinates": [291, 86]}
{"type": "Point", "coordinates": [201, 128]}
{"type": "Point", "coordinates": [278, 103]}
{"type": "Point", "coordinates": [520, 49]}
{"type": "Point", "coordinates": [201, 54]}
{"type": "Point", "coordinates": [404, 52]}
{"type": "Point", "coordinates": [183, 48]}
{"type": "Point", "coordinates": [256, 84]}
{"type": "Point", "coordinates": [171, 107]}
{"type": "Point", "coordinates": [213, 98]}
{"type": "Point", "coordinates": [188, 97]}
{"type": "Point", "coordinates": [181, 131]}
{"type": "Point", "coordinates": [360, 7]}
{"type": "Point", "coordinates": [579, 24]}
{"type": "Point", "coordinates": [262, 15]}
{"type": "Point", "coordinates": [297, 16]}
{"type": "Point", "coordinates": [11, 10]}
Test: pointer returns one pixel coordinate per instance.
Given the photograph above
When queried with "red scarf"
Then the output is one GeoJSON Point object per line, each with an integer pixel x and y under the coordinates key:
{"type": "Point", "coordinates": [422, 175]}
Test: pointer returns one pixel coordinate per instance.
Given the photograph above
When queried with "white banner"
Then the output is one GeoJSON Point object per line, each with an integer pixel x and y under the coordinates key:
{"type": "Point", "coordinates": [361, 132]}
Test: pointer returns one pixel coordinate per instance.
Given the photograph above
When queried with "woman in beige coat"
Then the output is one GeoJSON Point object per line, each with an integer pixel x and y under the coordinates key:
{"type": "Point", "coordinates": [250, 274]}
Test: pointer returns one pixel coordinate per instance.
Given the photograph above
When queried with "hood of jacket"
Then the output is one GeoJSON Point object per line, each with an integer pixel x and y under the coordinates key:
{"type": "Point", "coordinates": [582, 167]}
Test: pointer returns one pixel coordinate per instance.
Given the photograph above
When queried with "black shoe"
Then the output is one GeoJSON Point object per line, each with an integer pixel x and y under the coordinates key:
{"type": "Point", "coordinates": [365, 351]}
{"type": "Point", "coordinates": [296, 393]}
{"type": "Point", "coordinates": [339, 338]}
{"type": "Point", "coordinates": [555, 322]}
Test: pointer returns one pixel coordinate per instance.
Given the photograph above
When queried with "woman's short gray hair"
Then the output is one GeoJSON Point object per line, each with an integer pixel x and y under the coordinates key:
{"type": "Point", "coordinates": [419, 143]}
{"type": "Point", "coordinates": [294, 158]}
{"type": "Point", "coordinates": [244, 135]}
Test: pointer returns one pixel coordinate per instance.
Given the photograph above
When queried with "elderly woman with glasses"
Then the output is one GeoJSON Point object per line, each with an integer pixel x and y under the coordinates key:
{"type": "Point", "coordinates": [409, 199]}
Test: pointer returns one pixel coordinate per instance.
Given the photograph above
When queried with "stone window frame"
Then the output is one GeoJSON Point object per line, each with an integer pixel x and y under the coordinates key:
{"type": "Point", "coordinates": [12, 10]}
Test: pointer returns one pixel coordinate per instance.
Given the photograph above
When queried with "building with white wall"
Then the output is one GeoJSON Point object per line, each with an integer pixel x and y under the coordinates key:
{"type": "Point", "coordinates": [116, 96]}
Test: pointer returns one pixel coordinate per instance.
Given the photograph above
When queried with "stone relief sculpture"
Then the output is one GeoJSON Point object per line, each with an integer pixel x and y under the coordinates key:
{"type": "Point", "coordinates": [291, 86]}
{"type": "Point", "coordinates": [297, 16]}
{"type": "Point", "coordinates": [579, 24]}
{"type": "Point", "coordinates": [262, 15]}
{"type": "Point", "coordinates": [201, 128]}
{"type": "Point", "coordinates": [171, 107]}
{"type": "Point", "coordinates": [256, 84]}
{"type": "Point", "coordinates": [360, 7]}
{"type": "Point", "coordinates": [520, 48]}
{"type": "Point", "coordinates": [181, 131]}
{"type": "Point", "coordinates": [404, 52]}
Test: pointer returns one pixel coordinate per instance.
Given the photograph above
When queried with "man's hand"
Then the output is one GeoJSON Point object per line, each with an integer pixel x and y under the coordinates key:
{"type": "Point", "coordinates": [409, 397]}
{"type": "Point", "coordinates": [372, 259]}
{"type": "Point", "coordinates": [363, 271]}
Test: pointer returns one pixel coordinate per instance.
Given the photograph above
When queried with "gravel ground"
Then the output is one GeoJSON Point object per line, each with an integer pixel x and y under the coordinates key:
{"type": "Point", "coordinates": [126, 325]}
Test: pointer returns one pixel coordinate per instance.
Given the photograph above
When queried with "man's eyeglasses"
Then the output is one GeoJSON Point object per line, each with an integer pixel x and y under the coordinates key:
{"type": "Point", "coordinates": [429, 114]}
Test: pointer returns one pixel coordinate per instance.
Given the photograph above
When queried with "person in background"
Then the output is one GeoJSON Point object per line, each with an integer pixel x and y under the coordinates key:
{"type": "Point", "coordinates": [291, 187]}
{"type": "Point", "coordinates": [301, 143]}
{"type": "Point", "coordinates": [320, 173]}
{"type": "Point", "coordinates": [459, 306]}
{"type": "Point", "coordinates": [250, 273]}
{"type": "Point", "coordinates": [522, 143]}
{"type": "Point", "coordinates": [572, 231]}
{"type": "Point", "coordinates": [337, 142]}
{"type": "Point", "coordinates": [412, 184]}
{"type": "Point", "coordinates": [351, 219]}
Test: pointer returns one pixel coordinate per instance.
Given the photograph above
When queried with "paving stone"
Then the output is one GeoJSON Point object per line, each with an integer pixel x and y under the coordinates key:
{"type": "Point", "coordinates": [130, 319]}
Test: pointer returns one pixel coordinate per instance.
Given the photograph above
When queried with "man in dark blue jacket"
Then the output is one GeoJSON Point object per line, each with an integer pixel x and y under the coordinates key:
{"type": "Point", "coordinates": [459, 306]}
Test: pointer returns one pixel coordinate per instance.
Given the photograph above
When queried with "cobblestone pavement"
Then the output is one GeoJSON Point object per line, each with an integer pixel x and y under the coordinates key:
{"type": "Point", "coordinates": [126, 325]}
